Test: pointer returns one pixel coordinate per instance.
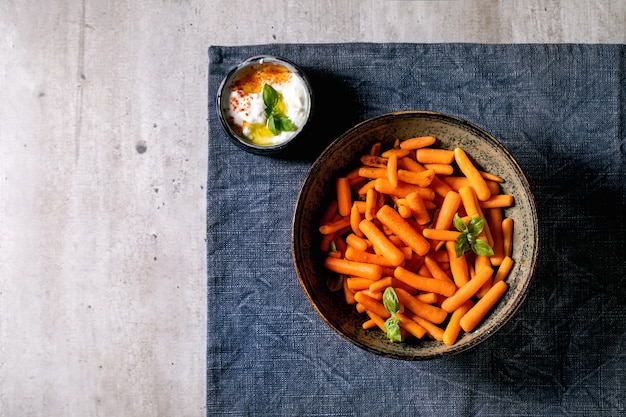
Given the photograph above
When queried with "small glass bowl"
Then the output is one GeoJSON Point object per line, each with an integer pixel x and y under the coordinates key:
{"type": "Point", "coordinates": [238, 96]}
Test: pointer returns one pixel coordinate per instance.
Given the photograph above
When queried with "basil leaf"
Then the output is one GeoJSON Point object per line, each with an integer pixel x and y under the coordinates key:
{"type": "Point", "coordinates": [283, 123]}
{"type": "Point", "coordinates": [476, 225]}
{"type": "Point", "coordinates": [393, 329]}
{"type": "Point", "coordinates": [462, 245]}
{"type": "Point", "coordinates": [270, 98]}
{"type": "Point", "coordinates": [458, 223]}
{"type": "Point", "coordinates": [390, 300]}
{"type": "Point", "coordinates": [271, 125]}
{"type": "Point", "coordinates": [480, 247]}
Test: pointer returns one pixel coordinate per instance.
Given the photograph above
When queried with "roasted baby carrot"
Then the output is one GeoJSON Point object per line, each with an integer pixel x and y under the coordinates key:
{"type": "Point", "coordinates": [497, 200]}
{"type": "Point", "coordinates": [467, 291]}
{"type": "Point", "coordinates": [504, 269]}
{"type": "Point", "coordinates": [384, 186]}
{"type": "Point", "coordinates": [438, 286]}
{"type": "Point", "coordinates": [440, 169]}
{"type": "Point", "coordinates": [411, 326]}
{"type": "Point", "coordinates": [401, 228]}
{"type": "Point", "coordinates": [392, 169]}
{"type": "Point", "coordinates": [353, 254]}
{"type": "Point", "coordinates": [418, 208]}
{"type": "Point", "coordinates": [434, 156]}
{"type": "Point", "coordinates": [359, 269]}
{"type": "Point", "coordinates": [470, 320]}
{"type": "Point", "coordinates": [458, 265]}
{"type": "Point", "coordinates": [356, 242]}
{"type": "Point", "coordinates": [440, 235]}
{"type": "Point", "coordinates": [344, 196]}
{"type": "Point", "coordinates": [507, 235]}
{"type": "Point", "coordinates": [453, 328]}
{"type": "Point", "coordinates": [355, 219]}
{"type": "Point", "coordinates": [417, 142]}
{"type": "Point", "coordinates": [494, 219]}
{"type": "Point", "coordinates": [371, 304]}
{"type": "Point", "coordinates": [335, 226]}
{"type": "Point", "coordinates": [468, 169]}
{"type": "Point", "coordinates": [429, 312]}
{"type": "Point", "coordinates": [381, 243]}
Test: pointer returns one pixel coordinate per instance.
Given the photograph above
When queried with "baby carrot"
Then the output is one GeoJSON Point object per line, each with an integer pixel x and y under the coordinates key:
{"type": "Point", "coordinates": [371, 204]}
{"type": "Point", "coordinates": [344, 196]}
{"type": "Point", "coordinates": [475, 314]}
{"type": "Point", "coordinates": [356, 242]}
{"type": "Point", "coordinates": [504, 269]}
{"type": "Point", "coordinates": [392, 169]}
{"type": "Point", "coordinates": [435, 270]}
{"type": "Point", "coordinates": [423, 178]}
{"type": "Point", "coordinates": [373, 161]}
{"type": "Point", "coordinates": [498, 200]}
{"type": "Point", "coordinates": [368, 324]}
{"type": "Point", "coordinates": [383, 185]}
{"type": "Point", "coordinates": [449, 207]}
{"type": "Point", "coordinates": [358, 283]}
{"type": "Point", "coordinates": [381, 284]}
{"type": "Point", "coordinates": [438, 235]}
{"type": "Point", "coordinates": [411, 326]}
{"type": "Point", "coordinates": [494, 218]}
{"type": "Point", "coordinates": [452, 330]}
{"type": "Point", "coordinates": [433, 330]}
{"type": "Point", "coordinates": [401, 228]}
{"type": "Point", "coordinates": [467, 291]}
{"type": "Point", "coordinates": [334, 226]}
{"type": "Point", "coordinates": [417, 142]}
{"type": "Point", "coordinates": [438, 286]}
{"type": "Point", "coordinates": [367, 186]}
{"type": "Point", "coordinates": [381, 243]}
{"type": "Point", "coordinates": [355, 219]}
{"type": "Point", "coordinates": [357, 255]}
{"type": "Point", "coordinates": [507, 235]}
{"type": "Point", "coordinates": [380, 322]}
{"type": "Point", "coordinates": [458, 266]}
{"type": "Point", "coordinates": [359, 269]}
{"type": "Point", "coordinates": [434, 156]}
{"type": "Point", "coordinates": [418, 208]}
{"type": "Point", "coordinates": [468, 169]}
{"type": "Point", "coordinates": [470, 203]}
{"type": "Point", "coordinates": [440, 169]}
{"type": "Point", "coordinates": [491, 177]}
{"type": "Point", "coordinates": [427, 297]}
{"type": "Point", "coordinates": [431, 313]}
{"type": "Point", "coordinates": [347, 293]}
{"type": "Point", "coordinates": [373, 172]}
{"type": "Point", "coordinates": [398, 152]}
{"type": "Point", "coordinates": [371, 304]}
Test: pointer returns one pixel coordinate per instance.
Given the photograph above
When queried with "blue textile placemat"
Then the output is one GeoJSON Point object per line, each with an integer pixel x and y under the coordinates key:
{"type": "Point", "coordinates": [559, 109]}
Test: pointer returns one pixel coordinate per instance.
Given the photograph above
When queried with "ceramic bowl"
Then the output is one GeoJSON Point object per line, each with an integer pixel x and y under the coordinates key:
{"type": "Point", "coordinates": [247, 80]}
{"type": "Point", "coordinates": [341, 156]}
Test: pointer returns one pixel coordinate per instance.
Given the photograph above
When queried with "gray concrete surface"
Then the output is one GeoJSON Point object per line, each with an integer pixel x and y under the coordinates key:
{"type": "Point", "coordinates": [103, 140]}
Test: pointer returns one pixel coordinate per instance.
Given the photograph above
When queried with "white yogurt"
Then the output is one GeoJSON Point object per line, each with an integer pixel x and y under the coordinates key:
{"type": "Point", "coordinates": [245, 110]}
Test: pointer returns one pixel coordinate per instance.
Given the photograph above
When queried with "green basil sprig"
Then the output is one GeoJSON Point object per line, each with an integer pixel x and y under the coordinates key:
{"type": "Point", "coordinates": [392, 324]}
{"type": "Point", "coordinates": [468, 239]}
{"type": "Point", "coordinates": [276, 122]}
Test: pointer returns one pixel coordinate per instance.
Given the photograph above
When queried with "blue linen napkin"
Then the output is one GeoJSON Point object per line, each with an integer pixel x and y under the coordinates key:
{"type": "Point", "coordinates": [559, 109]}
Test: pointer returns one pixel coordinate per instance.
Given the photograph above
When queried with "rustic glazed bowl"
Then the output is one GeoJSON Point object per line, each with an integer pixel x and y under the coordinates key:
{"type": "Point", "coordinates": [343, 155]}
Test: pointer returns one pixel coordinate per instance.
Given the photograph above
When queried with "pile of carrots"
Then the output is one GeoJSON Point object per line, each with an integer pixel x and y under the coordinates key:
{"type": "Point", "coordinates": [391, 225]}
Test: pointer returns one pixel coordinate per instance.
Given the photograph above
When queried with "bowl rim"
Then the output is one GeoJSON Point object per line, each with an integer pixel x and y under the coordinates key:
{"type": "Point", "coordinates": [476, 130]}
{"type": "Point", "coordinates": [238, 140]}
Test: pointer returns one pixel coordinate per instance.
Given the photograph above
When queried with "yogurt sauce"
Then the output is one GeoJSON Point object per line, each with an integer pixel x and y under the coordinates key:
{"type": "Point", "coordinates": [245, 110]}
